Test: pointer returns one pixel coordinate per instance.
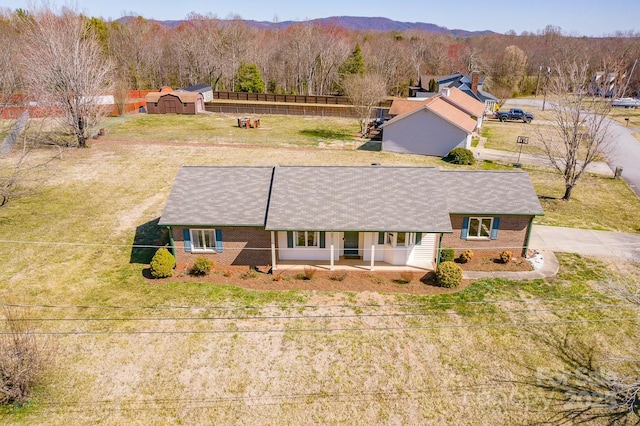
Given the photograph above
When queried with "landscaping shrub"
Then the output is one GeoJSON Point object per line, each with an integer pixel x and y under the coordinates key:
{"type": "Point", "coordinates": [506, 256]}
{"type": "Point", "coordinates": [447, 255]}
{"type": "Point", "coordinates": [201, 266]}
{"type": "Point", "coordinates": [406, 277]}
{"type": "Point", "coordinates": [448, 275]}
{"type": "Point", "coordinates": [461, 156]}
{"type": "Point", "coordinates": [338, 275]}
{"type": "Point", "coordinates": [250, 274]}
{"type": "Point", "coordinates": [309, 272]}
{"type": "Point", "coordinates": [24, 360]}
{"type": "Point", "coordinates": [162, 264]}
{"type": "Point", "coordinates": [466, 256]}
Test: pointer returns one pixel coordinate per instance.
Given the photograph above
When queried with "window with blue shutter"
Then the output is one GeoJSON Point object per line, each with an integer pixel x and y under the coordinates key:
{"type": "Point", "coordinates": [465, 228]}
{"type": "Point", "coordinates": [494, 228]}
{"type": "Point", "coordinates": [219, 240]}
{"type": "Point", "coordinates": [187, 239]}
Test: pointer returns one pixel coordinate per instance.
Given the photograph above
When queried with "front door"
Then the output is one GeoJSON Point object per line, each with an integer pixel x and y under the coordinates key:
{"type": "Point", "coordinates": [351, 243]}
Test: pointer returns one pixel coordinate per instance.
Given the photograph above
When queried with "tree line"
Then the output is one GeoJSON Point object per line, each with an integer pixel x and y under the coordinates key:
{"type": "Point", "coordinates": [308, 59]}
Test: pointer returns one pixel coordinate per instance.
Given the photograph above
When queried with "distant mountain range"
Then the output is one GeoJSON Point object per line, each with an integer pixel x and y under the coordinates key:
{"type": "Point", "coordinates": [359, 23]}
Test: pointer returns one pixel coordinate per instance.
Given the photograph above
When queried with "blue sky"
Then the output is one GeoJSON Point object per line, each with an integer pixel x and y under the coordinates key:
{"type": "Point", "coordinates": [575, 17]}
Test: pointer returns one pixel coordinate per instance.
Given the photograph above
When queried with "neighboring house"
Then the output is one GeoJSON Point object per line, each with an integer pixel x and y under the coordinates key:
{"type": "Point", "coordinates": [205, 90]}
{"type": "Point", "coordinates": [174, 102]}
{"type": "Point", "coordinates": [469, 105]}
{"type": "Point", "coordinates": [431, 127]}
{"type": "Point", "coordinates": [471, 85]}
{"type": "Point", "coordinates": [261, 216]}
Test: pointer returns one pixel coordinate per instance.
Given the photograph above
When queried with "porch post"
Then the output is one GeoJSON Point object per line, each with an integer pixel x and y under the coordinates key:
{"type": "Point", "coordinates": [331, 267]}
{"type": "Point", "coordinates": [273, 251]}
{"type": "Point", "coordinates": [373, 256]}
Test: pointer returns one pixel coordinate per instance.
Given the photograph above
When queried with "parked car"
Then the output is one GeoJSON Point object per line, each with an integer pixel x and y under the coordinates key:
{"type": "Point", "coordinates": [514, 114]}
{"type": "Point", "coordinates": [626, 102]}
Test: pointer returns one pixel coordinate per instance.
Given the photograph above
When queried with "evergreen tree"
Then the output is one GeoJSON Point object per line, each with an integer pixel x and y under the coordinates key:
{"type": "Point", "coordinates": [433, 86]}
{"type": "Point", "coordinates": [354, 64]}
{"type": "Point", "coordinates": [248, 79]}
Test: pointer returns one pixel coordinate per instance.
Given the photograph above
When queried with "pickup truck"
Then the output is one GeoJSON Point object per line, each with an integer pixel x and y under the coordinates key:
{"type": "Point", "coordinates": [514, 114]}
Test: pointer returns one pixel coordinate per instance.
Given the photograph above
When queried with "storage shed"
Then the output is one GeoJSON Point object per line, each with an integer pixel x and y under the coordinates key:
{"type": "Point", "coordinates": [174, 103]}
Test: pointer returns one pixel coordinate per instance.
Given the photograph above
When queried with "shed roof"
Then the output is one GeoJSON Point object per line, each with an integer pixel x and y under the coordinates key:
{"type": "Point", "coordinates": [184, 97]}
{"type": "Point", "coordinates": [218, 196]}
{"type": "Point", "coordinates": [199, 88]}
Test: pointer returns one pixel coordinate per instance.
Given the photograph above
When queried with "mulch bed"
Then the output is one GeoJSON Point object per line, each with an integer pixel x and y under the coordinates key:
{"type": "Point", "coordinates": [481, 262]}
{"type": "Point", "coordinates": [338, 281]}
{"type": "Point", "coordinates": [354, 281]}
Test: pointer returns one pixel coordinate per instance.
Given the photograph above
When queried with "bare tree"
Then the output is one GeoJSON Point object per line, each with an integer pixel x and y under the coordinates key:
{"type": "Point", "coordinates": [365, 92]}
{"type": "Point", "coordinates": [65, 65]}
{"type": "Point", "coordinates": [579, 134]}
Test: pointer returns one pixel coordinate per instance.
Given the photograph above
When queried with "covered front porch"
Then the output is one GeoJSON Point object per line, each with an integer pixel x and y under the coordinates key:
{"type": "Point", "coordinates": [355, 250]}
{"type": "Point", "coordinates": [347, 265]}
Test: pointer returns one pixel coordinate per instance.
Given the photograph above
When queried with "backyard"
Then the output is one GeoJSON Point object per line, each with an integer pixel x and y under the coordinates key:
{"type": "Point", "coordinates": [246, 349]}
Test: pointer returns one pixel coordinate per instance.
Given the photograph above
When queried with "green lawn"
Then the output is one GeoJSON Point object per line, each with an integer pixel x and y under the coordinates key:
{"type": "Point", "coordinates": [195, 353]}
{"type": "Point", "coordinates": [221, 128]}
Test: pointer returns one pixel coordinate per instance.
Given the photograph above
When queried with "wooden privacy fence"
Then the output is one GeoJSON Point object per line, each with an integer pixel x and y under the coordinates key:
{"type": "Point", "coordinates": [291, 109]}
{"type": "Point", "coordinates": [271, 97]}
{"type": "Point", "coordinates": [268, 103]}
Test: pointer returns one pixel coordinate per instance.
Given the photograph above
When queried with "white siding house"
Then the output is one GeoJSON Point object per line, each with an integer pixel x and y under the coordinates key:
{"type": "Point", "coordinates": [424, 133]}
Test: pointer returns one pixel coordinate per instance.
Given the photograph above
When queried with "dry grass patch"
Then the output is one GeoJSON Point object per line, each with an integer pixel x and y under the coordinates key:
{"type": "Point", "coordinates": [199, 352]}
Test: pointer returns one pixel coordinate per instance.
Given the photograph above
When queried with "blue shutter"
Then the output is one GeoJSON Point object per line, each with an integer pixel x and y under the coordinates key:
{"type": "Point", "coordinates": [290, 239]}
{"type": "Point", "coordinates": [219, 240]}
{"type": "Point", "coordinates": [418, 238]}
{"type": "Point", "coordinates": [381, 238]}
{"type": "Point", "coordinates": [323, 237]}
{"type": "Point", "coordinates": [187, 239]}
{"type": "Point", "coordinates": [494, 228]}
{"type": "Point", "coordinates": [465, 228]}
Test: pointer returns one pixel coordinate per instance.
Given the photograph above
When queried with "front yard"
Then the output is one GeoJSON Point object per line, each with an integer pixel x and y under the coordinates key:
{"type": "Point", "coordinates": [135, 351]}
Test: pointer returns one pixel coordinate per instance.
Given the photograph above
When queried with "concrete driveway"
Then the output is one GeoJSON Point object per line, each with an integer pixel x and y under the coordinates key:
{"type": "Point", "coordinates": [586, 241]}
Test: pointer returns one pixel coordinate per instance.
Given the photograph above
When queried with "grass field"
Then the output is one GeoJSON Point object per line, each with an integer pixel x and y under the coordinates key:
{"type": "Point", "coordinates": [131, 351]}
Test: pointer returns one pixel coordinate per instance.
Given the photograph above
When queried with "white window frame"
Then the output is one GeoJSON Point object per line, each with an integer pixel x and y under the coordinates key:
{"type": "Point", "coordinates": [199, 236]}
{"type": "Point", "coordinates": [391, 239]}
{"type": "Point", "coordinates": [316, 239]}
{"type": "Point", "coordinates": [478, 236]}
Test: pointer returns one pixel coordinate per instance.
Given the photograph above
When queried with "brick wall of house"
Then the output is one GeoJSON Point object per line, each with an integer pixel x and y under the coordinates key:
{"type": "Point", "coordinates": [512, 236]}
{"type": "Point", "coordinates": [241, 246]}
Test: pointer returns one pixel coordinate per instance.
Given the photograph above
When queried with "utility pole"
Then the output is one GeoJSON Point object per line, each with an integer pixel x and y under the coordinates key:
{"type": "Point", "coordinates": [538, 80]}
{"type": "Point", "coordinates": [546, 84]}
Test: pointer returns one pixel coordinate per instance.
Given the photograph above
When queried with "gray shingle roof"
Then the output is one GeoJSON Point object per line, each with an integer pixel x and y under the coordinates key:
{"type": "Point", "coordinates": [491, 192]}
{"type": "Point", "coordinates": [338, 198]}
{"type": "Point", "coordinates": [218, 196]}
{"type": "Point", "coordinates": [370, 198]}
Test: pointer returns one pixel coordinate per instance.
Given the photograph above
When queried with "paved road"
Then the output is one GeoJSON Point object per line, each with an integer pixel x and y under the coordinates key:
{"type": "Point", "coordinates": [625, 153]}
{"type": "Point", "coordinates": [586, 241]}
{"type": "Point", "coordinates": [624, 150]}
